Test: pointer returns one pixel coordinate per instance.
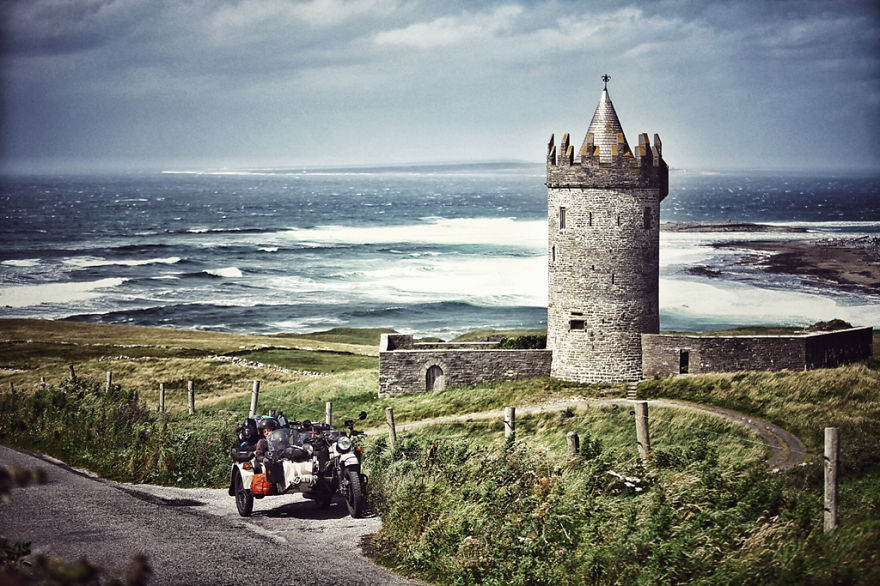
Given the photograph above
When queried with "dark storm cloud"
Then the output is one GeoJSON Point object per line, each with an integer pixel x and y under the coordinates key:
{"type": "Point", "coordinates": [726, 83]}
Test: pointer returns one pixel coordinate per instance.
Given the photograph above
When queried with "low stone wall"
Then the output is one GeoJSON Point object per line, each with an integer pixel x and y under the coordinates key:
{"type": "Point", "coordinates": [405, 367]}
{"type": "Point", "coordinates": [664, 355]}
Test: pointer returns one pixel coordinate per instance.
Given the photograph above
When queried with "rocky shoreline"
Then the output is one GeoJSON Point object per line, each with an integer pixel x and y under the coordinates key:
{"type": "Point", "coordinates": [725, 227]}
{"type": "Point", "coordinates": [850, 264]}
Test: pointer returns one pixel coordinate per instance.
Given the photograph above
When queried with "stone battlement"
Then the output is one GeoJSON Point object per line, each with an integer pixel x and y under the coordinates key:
{"type": "Point", "coordinates": [615, 166]}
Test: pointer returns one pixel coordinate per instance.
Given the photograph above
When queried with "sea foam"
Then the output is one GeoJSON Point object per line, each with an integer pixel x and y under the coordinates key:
{"type": "Point", "coordinates": [531, 234]}
{"type": "Point", "coordinates": [89, 262]}
{"type": "Point", "coordinates": [23, 263]}
{"type": "Point", "coordinates": [30, 295]}
{"type": "Point", "coordinates": [229, 272]}
{"type": "Point", "coordinates": [745, 304]}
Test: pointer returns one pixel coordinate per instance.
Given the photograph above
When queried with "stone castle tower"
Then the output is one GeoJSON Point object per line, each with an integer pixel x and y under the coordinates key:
{"type": "Point", "coordinates": [603, 209]}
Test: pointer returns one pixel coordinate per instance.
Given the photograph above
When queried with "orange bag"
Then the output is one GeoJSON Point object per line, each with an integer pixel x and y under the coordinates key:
{"type": "Point", "coordinates": [260, 485]}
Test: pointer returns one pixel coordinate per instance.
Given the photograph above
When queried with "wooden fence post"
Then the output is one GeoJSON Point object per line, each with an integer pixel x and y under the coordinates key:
{"type": "Point", "coordinates": [161, 397]}
{"type": "Point", "coordinates": [643, 436]}
{"type": "Point", "coordinates": [832, 451]}
{"type": "Point", "coordinates": [392, 432]}
{"type": "Point", "coordinates": [12, 388]}
{"type": "Point", "coordinates": [191, 396]}
{"type": "Point", "coordinates": [109, 380]}
{"type": "Point", "coordinates": [509, 422]}
{"type": "Point", "coordinates": [328, 413]}
{"type": "Point", "coordinates": [72, 372]}
{"type": "Point", "coordinates": [255, 397]}
{"type": "Point", "coordinates": [574, 444]}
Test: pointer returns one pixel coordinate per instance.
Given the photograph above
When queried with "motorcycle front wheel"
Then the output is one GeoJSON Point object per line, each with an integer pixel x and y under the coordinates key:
{"type": "Point", "coordinates": [354, 493]}
{"type": "Point", "coordinates": [244, 499]}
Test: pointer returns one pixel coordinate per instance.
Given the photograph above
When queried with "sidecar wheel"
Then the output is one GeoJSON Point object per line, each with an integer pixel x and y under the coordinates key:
{"type": "Point", "coordinates": [354, 494]}
{"type": "Point", "coordinates": [244, 498]}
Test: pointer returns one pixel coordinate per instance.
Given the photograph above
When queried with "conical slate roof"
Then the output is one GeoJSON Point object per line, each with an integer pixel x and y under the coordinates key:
{"type": "Point", "coordinates": [605, 127]}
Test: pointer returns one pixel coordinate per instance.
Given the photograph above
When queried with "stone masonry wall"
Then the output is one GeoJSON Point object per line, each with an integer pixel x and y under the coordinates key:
{"type": "Point", "coordinates": [832, 349]}
{"type": "Point", "coordinates": [603, 261]}
{"type": "Point", "coordinates": [404, 367]}
{"type": "Point", "coordinates": [661, 354]}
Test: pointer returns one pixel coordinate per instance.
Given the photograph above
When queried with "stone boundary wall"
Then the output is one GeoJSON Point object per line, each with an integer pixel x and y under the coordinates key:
{"type": "Point", "coordinates": [662, 353]}
{"type": "Point", "coordinates": [406, 367]}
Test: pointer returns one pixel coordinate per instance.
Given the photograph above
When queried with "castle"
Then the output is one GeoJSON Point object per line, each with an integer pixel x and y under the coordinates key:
{"type": "Point", "coordinates": [603, 213]}
{"type": "Point", "coordinates": [604, 250]}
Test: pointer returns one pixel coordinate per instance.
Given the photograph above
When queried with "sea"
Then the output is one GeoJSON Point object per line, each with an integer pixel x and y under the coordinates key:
{"type": "Point", "coordinates": [431, 250]}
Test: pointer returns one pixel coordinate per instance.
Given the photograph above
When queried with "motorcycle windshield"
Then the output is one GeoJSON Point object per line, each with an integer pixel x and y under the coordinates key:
{"type": "Point", "coordinates": [278, 440]}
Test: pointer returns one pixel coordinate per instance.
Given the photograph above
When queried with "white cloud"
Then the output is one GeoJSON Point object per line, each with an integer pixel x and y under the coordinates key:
{"type": "Point", "coordinates": [451, 30]}
{"type": "Point", "coordinates": [253, 17]}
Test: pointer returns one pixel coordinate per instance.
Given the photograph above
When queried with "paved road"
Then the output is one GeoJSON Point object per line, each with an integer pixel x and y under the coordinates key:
{"type": "Point", "coordinates": [192, 537]}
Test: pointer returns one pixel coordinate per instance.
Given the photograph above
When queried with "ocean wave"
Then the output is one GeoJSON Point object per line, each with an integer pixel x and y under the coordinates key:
{"type": "Point", "coordinates": [859, 226]}
{"type": "Point", "coordinates": [268, 249]}
{"type": "Point", "coordinates": [22, 263]}
{"type": "Point", "coordinates": [223, 231]}
{"type": "Point", "coordinates": [529, 234]}
{"type": "Point", "coordinates": [475, 279]}
{"type": "Point", "coordinates": [227, 272]}
{"type": "Point", "coordinates": [91, 261]}
{"type": "Point", "coordinates": [54, 293]}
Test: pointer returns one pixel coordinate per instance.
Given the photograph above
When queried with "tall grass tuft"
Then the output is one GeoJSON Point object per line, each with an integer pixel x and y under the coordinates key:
{"type": "Point", "coordinates": [457, 514]}
{"type": "Point", "coordinates": [112, 433]}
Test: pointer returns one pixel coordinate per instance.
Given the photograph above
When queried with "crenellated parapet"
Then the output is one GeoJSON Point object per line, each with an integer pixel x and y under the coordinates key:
{"type": "Point", "coordinates": [600, 166]}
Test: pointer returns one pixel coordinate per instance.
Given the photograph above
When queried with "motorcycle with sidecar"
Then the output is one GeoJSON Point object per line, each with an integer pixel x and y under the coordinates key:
{"type": "Point", "coordinates": [304, 457]}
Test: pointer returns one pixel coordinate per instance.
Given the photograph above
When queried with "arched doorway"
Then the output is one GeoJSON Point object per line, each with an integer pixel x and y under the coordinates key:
{"type": "Point", "coordinates": [434, 380]}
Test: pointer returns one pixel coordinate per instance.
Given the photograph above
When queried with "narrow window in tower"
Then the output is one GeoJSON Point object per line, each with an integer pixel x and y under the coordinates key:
{"type": "Point", "coordinates": [589, 218]}
{"type": "Point", "coordinates": [576, 324]}
{"type": "Point", "coordinates": [612, 278]}
{"type": "Point", "coordinates": [618, 219]}
{"type": "Point", "coordinates": [562, 218]}
{"type": "Point", "coordinates": [553, 254]}
{"type": "Point", "coordinates": [647, 218]}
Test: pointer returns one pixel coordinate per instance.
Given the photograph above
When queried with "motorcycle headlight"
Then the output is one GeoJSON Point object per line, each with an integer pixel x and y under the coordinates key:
{"type": "Point", "coordinates": [343, 444]}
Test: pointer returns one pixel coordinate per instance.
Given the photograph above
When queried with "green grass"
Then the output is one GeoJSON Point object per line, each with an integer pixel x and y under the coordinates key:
{"type": "Point", "coordinates": [485, 335]}
{"type": "Point", "coordinates": [313, 361]}
{"type": "Point", "coordinates": [109, 336]}
{"type": "Point", "coordinates": [614, 425]}
{"type": "Point", "coordinates": [459, 504]}
{"type": "Point", "coordinates": [804, 403]}
{"type": "Point", "coordinates": [485, 397]}
{"type": "Point", "coordinates": [361, 336]}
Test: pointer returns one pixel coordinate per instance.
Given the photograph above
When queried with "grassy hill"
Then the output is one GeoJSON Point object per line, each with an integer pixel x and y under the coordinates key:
{"type": "Point", "coordinates": [459, 503]}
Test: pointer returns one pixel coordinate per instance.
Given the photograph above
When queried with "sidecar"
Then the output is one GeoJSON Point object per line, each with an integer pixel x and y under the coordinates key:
{"type": "Point", "coordinates": [290, 469]}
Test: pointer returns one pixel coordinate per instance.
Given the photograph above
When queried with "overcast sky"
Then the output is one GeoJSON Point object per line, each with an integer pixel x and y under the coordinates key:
{"type": "Point", "coordinates": [781, 84]}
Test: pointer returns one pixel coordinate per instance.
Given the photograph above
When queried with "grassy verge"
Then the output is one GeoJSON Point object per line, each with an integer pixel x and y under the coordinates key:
{"type": "Point", "coordinates": [112, 433]}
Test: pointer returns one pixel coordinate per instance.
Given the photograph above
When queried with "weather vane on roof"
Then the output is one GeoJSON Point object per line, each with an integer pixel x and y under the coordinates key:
{"type": "Point", "coordinates": [606, 78]}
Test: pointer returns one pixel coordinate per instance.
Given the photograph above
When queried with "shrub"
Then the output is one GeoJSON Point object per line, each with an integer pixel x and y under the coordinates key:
{"type": "Point", "coordinates": [112, 433]}
{"type": "Point", "coordinates": [529, 342]}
